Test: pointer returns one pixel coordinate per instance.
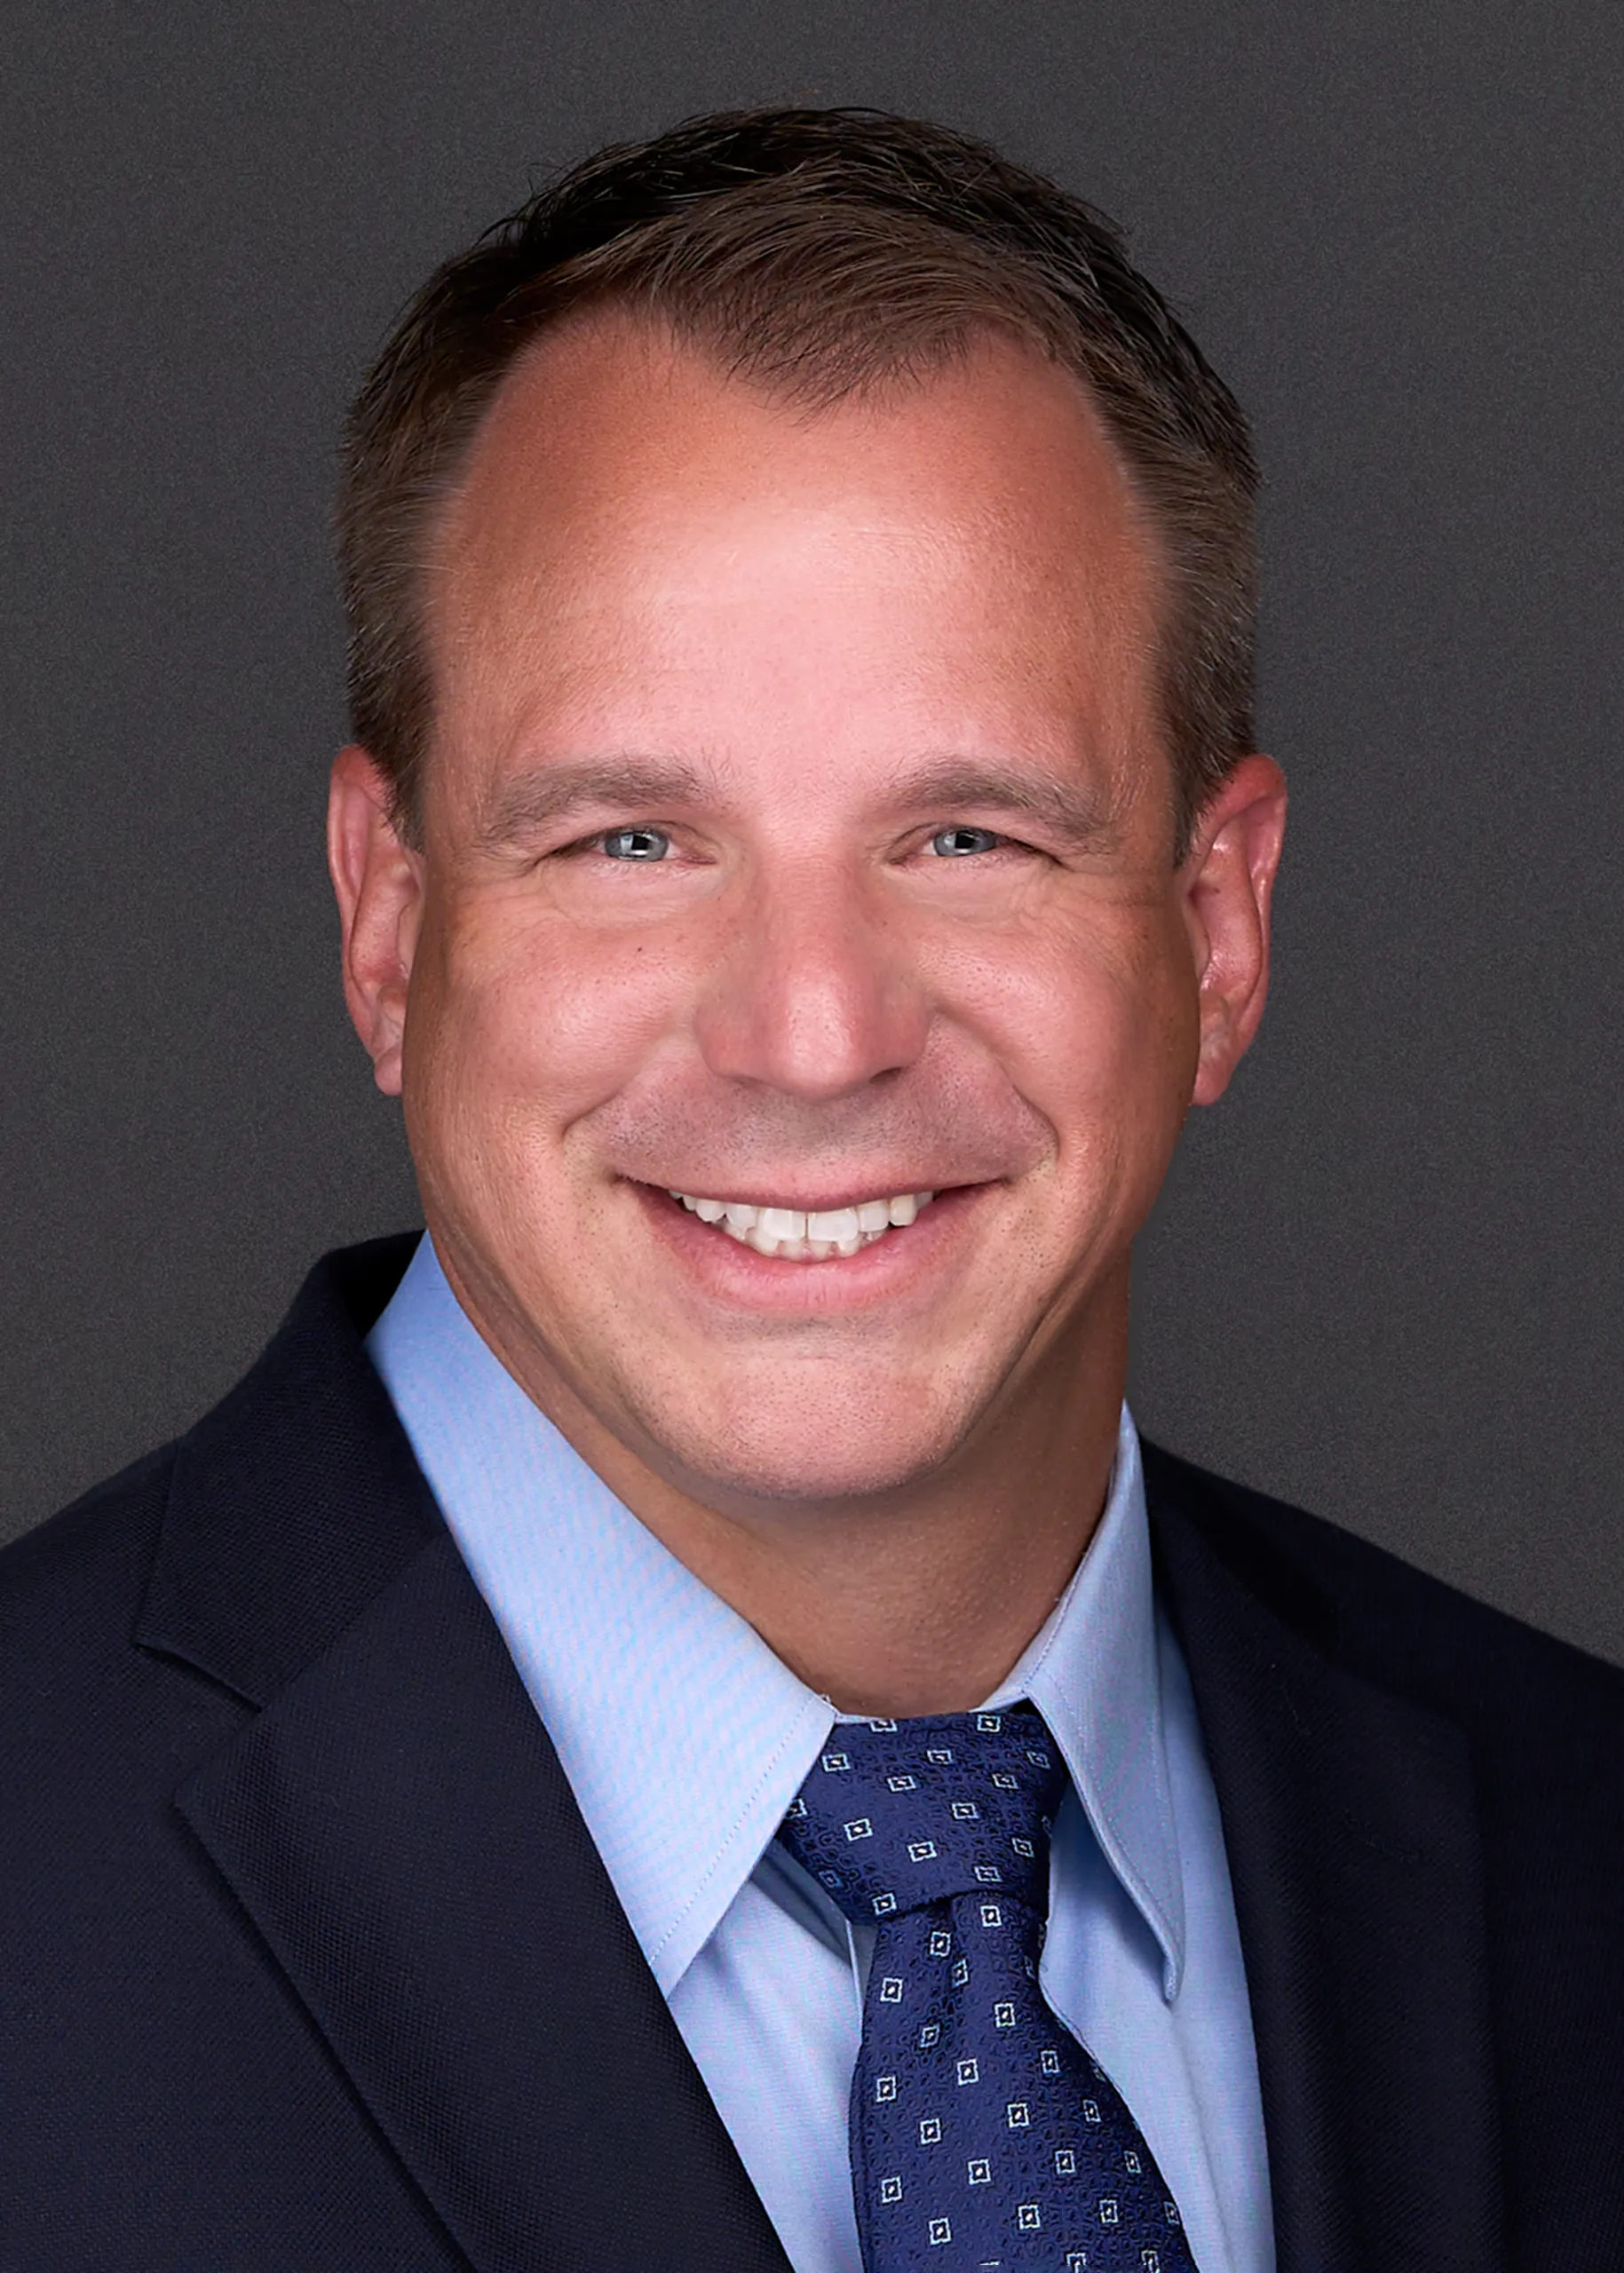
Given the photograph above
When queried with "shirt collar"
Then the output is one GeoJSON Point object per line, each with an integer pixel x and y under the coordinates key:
{"type": "Point", "coordinates": [683, 1735]}
{"type": "Point", "coordinates": [1093, 1672]}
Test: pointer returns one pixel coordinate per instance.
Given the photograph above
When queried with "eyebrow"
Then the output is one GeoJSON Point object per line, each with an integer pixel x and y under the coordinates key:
{"type": "Point", "coordinates": [537, 799]}
{"type": "Point", "coordinates": [1082, 815]}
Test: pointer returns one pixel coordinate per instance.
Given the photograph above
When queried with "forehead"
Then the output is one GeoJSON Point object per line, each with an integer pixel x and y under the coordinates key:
{"type": "Point", "coordinates": [635, 526]}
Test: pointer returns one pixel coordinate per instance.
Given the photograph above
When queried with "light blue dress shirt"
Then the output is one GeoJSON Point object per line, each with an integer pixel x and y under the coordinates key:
{"type": "Point", "coordinates": [685, 1739]}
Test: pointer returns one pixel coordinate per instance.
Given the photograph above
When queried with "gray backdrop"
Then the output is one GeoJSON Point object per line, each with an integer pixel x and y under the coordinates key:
{"type": "Point", "coordinates": [1384, 1280]}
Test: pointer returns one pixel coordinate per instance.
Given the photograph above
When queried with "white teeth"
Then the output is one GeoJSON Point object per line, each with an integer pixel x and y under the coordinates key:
{"type": "Point", "coordinates": [833, 1224]}
{"type": "Point", "coordinates": [794, 1235]}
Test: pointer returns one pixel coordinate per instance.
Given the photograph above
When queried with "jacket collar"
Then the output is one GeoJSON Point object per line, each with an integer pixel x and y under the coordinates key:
{"type": "Point", "coordinates": [395, 1824]}
{"type": "Point", "coordinates": [1351, 1822]}
{"type": "Point", "coordinates": [296, 1500]}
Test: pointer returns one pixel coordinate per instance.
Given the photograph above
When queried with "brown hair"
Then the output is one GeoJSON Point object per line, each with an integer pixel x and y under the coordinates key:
{"type": "Point", "coordinates": [816, 252]}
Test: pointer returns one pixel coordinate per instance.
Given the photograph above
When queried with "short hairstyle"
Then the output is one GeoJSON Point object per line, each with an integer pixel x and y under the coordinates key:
{"type": "Point", "coordinates": [815, 253]}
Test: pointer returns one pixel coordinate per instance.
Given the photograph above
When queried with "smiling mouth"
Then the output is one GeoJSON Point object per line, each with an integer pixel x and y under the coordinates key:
{"type": "Point", "coordinates": [800, 1235]}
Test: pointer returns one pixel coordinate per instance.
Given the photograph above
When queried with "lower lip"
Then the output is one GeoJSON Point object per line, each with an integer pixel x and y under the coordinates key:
{"type": "Point", "coordinates": [726, 1268]}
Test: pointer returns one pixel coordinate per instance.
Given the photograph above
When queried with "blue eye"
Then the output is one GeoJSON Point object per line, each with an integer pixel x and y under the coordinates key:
{"type": "Point", "coordinates": [957, 843]}
{"type": "Point", "coordinates": [635, 843]}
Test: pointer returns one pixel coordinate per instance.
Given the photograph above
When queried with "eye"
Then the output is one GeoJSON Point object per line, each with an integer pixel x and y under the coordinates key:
{"type": "Point", "coordinates": [958, 843]}
{"type": "Point", "coordinates": [635, 843]}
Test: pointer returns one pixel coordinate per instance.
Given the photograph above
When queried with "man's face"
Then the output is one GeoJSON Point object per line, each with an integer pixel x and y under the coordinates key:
{"type": "Point", "coordinates": [797, 838]}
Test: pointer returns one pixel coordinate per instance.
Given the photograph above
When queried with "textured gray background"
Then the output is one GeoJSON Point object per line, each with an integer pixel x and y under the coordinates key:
{"type": "Point", "coordinates": [1384, 1280]}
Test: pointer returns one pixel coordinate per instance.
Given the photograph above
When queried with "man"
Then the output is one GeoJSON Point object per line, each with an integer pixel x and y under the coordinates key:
{"type": "Point", "coordinates": [674, 1724]}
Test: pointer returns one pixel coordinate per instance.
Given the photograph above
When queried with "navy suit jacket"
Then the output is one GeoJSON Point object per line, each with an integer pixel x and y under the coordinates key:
{"type": "Point", "coordinates": [308, 1965]}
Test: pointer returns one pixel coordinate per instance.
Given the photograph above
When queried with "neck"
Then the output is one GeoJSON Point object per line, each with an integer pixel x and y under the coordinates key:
{"type": "Point", "coordinates": [915, 1601]}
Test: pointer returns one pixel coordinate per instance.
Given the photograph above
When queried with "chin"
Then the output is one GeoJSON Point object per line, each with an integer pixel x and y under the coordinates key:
{"type": "Point", "coordinates": [816, 1455]}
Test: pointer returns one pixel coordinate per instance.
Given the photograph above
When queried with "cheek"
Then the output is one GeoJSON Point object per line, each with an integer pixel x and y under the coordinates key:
{"type": "Point", "coordinates": [1098, 1027]}
{"type": "Point", "coordinates": [515, 1011]}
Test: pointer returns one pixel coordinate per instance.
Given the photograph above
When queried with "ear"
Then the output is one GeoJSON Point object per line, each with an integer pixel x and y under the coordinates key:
{"type": "Point", "coordinates": [1227, 881]}
{"type": "Point", "coordinates": [379, 884]}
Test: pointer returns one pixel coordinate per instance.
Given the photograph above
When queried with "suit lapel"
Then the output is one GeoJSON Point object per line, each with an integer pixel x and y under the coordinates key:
{"type": "Point", "coordinates": [396, 1825]}
{"type": "Point", "coordinates": [398, 1828]}
{"type": "Point", "coordinates": [1350, 1824]}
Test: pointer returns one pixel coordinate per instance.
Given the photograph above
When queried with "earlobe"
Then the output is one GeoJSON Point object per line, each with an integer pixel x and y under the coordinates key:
{"type": "Point", "coordinates": [1229, 886]}
{"type": "Point", "coordinates": [378, 884]}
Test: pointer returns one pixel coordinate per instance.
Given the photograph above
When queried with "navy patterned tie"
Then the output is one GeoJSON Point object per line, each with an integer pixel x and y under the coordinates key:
{"type": "Point", "coordinates": [982, 2133]}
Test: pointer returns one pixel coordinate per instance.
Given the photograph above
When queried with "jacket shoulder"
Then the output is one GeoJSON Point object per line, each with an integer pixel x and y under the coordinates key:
{"type": "Point", "coordinates": [76, 1578]}
{"type": "Point", "coordinates": [1381, 1616]}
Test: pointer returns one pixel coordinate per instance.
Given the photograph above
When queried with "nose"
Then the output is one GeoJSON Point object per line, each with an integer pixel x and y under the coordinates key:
{"type": "Point", "coordinates": [813, 995]}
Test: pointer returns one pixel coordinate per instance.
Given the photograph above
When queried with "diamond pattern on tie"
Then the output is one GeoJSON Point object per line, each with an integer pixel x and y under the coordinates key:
{"type": "Point", "coordinates": [983, 2135]}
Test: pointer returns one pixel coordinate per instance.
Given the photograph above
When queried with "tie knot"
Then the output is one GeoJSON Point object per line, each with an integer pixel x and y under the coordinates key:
{"type": "Point", "coordinates": [900, 1813]}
